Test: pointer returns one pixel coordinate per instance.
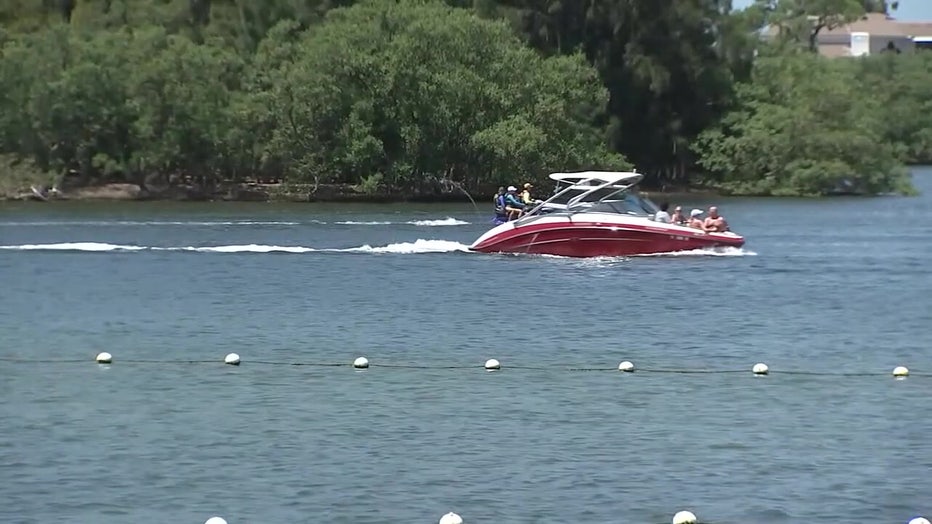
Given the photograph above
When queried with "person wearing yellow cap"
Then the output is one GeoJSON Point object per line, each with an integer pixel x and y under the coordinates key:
{"type": "Point", "coordinates": [526, 194]}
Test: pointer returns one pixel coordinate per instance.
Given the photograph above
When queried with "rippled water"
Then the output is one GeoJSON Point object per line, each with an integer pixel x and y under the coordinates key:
{"type": "Point", "coordinates": [826, 286]}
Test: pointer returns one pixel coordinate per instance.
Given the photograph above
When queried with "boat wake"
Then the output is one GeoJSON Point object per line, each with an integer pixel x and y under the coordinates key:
{"type": "Point", "coordinates": [448, 221]}
{"type": "Point", "coordinates": [705, 252]}
{"type": "Point", "coordinates": [726, 251]}
{"type": "Point", "coordinates": [406, 248]}
{"type": "Point", "coordinates": [190, 223]}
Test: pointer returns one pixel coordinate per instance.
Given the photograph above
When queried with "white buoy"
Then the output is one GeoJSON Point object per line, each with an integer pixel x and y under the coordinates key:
{"type": "Point", "coordinates": [900, 371]}
{"type": "Point", "coordinates": [215, 520]}
{"type": "Point", "coordinates": [104, 358]}
{"type": "Point", "coordinates": [760, 369]}
{"type": "Point", "coordinates": [492, 364]}
{"type": "Point", "coordinates": [451, 518]}
{"type": "Point", "coordinates": [920, 520]}
{"type": "Point", "coordinates": [231, 359]}
{"type": "Point", "coordinates": [626, 366]}
{"type": "Point", "coordinates": [361, 363]}
{"type": "Point", "coordinates": [685, 517]}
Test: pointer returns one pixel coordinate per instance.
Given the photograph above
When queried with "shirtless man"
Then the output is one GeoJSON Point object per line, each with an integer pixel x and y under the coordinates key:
{"type": "Point", "coordinates": [695, 219]}
{"type": "Point", "coordinates": [714, 222]}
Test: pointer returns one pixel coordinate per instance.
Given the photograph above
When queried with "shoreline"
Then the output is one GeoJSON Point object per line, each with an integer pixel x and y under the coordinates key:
{"type": "Point", "coordinates": [252, 192]}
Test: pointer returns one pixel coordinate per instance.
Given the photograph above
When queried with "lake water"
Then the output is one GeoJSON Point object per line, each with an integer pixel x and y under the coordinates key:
{"type": "Point", "coordinates": [840, 288]}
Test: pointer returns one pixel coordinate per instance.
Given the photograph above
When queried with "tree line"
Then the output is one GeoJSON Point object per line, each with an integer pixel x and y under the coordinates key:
{"type": "Point", "coordinates": [400, 94]}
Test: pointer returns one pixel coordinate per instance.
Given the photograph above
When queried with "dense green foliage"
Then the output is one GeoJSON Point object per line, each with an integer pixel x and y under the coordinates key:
{"type": "Point", "coordinates": [801, 128]}
{"type": "Point", "coordinates": [902, 86]}
{"type": "Point", "coordinates": [398, 94]}
{"type": "Point", "coordinates": [402, 93]}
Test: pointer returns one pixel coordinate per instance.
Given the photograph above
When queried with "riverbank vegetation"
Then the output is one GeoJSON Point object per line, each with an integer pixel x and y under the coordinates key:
{"type": "Point", "coordinates": [407, 96]}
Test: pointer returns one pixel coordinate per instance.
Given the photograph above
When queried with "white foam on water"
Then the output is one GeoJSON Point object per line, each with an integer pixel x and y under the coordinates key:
{"type": "Point", "coordinates": [449, 221]}
{"type": "Point", "coordinates": [602, 260]}
{"type": "Point", "coordinates": [74, 246]}
{"type": "Point", "coordinates": [101, 223]}
{"type": "Point", "coordinates": [247, 248]}
{"type": "Point", "coordinates": [418, 246]}
{"type": "Point", "coordinates": [407, 248]}
{"type": "Point", "coordinates": [706, 252]}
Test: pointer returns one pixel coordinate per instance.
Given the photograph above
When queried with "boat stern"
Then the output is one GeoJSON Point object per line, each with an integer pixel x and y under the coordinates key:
{"type": "Point", "coordinates": [728, 239]}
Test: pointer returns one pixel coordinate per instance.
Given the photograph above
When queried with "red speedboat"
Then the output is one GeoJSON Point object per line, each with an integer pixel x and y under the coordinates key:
{"type": "Point", "coordinates": [597, 214]}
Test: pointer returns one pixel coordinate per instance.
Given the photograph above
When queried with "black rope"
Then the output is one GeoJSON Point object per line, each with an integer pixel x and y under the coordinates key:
{"type": "Point", "coordinates": [314, 364]}
{"type": "Point", "coordinates": [693, 371]}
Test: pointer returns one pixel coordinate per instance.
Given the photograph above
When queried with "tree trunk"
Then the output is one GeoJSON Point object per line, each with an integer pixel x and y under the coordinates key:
{"type": "Point", "coordinates": [66, 7]}
{"type": "Point", "coordinates": [200, 12]}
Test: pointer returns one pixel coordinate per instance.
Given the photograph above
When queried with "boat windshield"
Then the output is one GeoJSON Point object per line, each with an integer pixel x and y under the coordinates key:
{"type": "Point", "coordinates": [596, 194]}
{"type": "Point", "coordinates": [625, 203]}
{"type": "Point", "coordinates": [565, 191]}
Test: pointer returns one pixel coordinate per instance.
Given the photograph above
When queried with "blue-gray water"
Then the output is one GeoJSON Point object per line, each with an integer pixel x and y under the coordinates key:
{"type": "Point", "coordinates": [829, 286]}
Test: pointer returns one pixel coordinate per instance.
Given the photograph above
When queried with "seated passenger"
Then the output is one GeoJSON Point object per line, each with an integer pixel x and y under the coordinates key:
{"type": "Point", "coordinates": [695, 219]}
{"type": "Point", "coordinates": [678, 217]}
{"type": "Point", "coordinates": [513, 205]}
{"type": "Point", "coordinates": [662, 215]}
{"type": "Point", "coordinates": [526, 194]}
{"type": "Point", "coordinates": [715, 223]}
{"type": "Point", "coordinates": [527, 198]}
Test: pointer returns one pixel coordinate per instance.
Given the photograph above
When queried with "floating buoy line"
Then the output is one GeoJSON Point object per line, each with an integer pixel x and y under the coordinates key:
{"type": "Point", "coordinates": [681, 517]}
{"type": "Point", "coordinates": [362, 363]}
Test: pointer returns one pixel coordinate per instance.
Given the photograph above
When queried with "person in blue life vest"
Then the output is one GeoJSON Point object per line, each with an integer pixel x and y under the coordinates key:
{"type": "Point", "coordinates": [514, 207]}
{"type": "Point", "coordinates": [499, 200]}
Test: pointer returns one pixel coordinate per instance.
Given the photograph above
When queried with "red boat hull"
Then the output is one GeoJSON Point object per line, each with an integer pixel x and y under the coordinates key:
{"type": "Point", "coordinates": [596, 239]}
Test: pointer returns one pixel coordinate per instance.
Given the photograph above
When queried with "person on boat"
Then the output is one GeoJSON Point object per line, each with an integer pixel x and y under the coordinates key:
{"type": "Point", "coordinates": [662, 215]}
{"type": "Point", "coordinates": [499, 201]}
{"type": "Point", "coordinates": [526, 194]}
{"type": "Point", "coordinates": [514, 207]}
{"type": "Point", "coordinates": [714, 223]}
{"type": "Point", "coordinates": [695, 219]}
{"type": "Point", "coordinates": [678, 217]}
{"type": "Point", "coordinates": [527, 198]}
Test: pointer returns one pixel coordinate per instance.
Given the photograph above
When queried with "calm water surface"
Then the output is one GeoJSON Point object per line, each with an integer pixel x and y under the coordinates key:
{"type": "Point", "coordinates": [828, 286]}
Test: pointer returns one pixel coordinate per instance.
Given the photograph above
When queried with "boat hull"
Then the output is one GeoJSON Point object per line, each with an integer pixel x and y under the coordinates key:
{"type": "Point", "coordinates": [592, 237]}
